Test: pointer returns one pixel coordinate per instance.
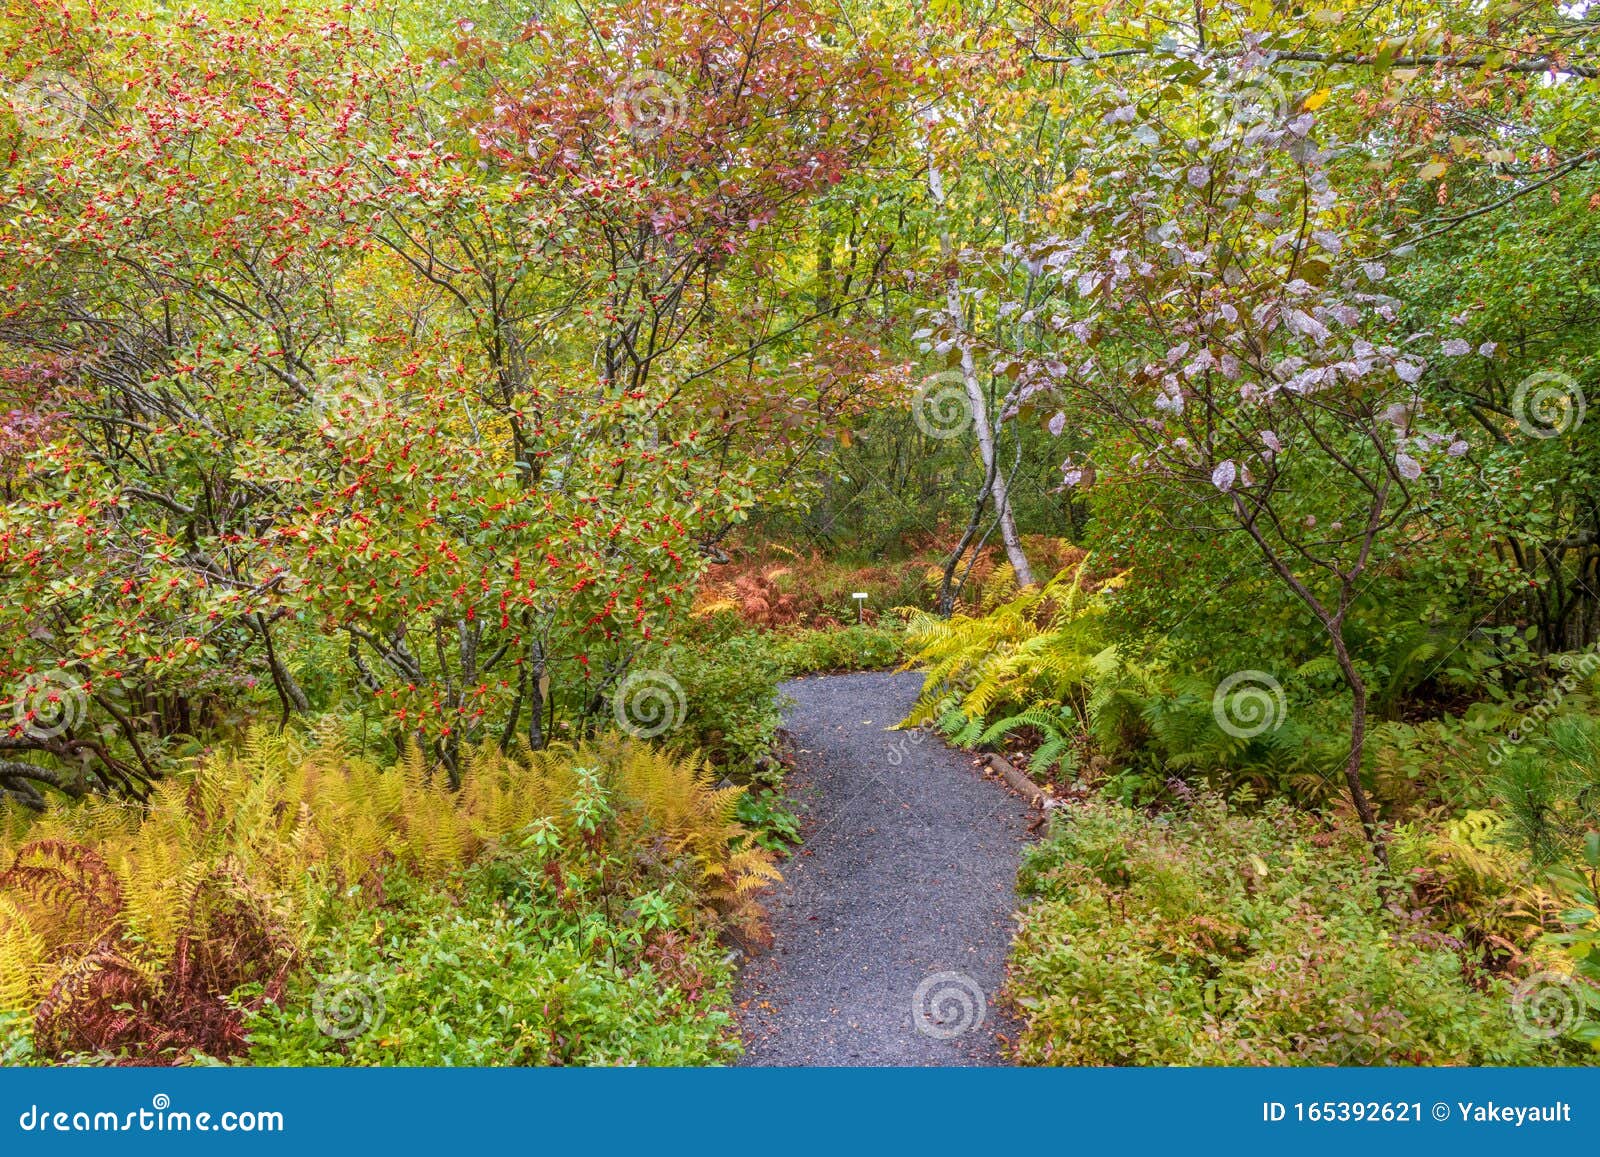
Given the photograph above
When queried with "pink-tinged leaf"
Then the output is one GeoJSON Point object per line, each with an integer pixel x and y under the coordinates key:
{"type": "Point", "coordinates": [1303, 323]}
{"type": "Point", "coordinates": [1224, 475]}
{"type": "Point", "coordinates": [1398, 415]}
{"type": "Point", "coordinates": [1409, 468]}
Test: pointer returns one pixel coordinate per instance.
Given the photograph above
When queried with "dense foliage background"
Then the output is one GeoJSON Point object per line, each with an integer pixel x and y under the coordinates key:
{"type": "Point", "coordinates": [427, 439]}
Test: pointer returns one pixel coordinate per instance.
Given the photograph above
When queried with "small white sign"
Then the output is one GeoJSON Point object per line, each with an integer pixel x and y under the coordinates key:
{"type": "Point", "coordinates": [859, 595]}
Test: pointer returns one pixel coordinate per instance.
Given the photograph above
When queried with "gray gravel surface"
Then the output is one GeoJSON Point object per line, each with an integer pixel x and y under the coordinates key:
{"type": "Point", "coordinates": [908, 870]}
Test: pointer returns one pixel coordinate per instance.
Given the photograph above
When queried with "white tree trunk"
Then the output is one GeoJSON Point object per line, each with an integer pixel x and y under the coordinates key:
{"type": "Point", "coordinates": [999, 492]}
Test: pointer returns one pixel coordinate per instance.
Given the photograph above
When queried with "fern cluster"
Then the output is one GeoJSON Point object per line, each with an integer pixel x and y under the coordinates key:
{"type": "Point", "coordinates": [1029, 661]}
{"type": "Point", "coordinates": [1471, 869]}
{"type": "Point", "coordinates": [163, 910]}
{"type": "Point", "coordinates": [1038, 659]}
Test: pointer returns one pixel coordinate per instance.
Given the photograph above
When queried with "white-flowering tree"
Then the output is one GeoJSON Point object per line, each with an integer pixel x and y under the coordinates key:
{"type": "Point", "coordinates": [1222, 340]}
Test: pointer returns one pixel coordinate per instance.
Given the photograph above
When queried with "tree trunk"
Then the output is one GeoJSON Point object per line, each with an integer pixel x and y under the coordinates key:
{"type": "Point", "coordinates": [825, 239]}
{"type": "Point", "coordinates": [538, 684]}
{"type": "Point", "coordinates": [985, 434]}
{"type": "Point", "coordinates": [999, 492]}
{"type": "Point", "coordinates": [1358, 743]}
{"type": "Point", "coordinates": [947, 584]}
{"type": "Point", "coordinates": [290, 695]}
{"type": "Point", "coordinates": [1333, 623]}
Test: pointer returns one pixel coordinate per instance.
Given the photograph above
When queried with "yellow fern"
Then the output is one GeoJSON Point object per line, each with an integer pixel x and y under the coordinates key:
{"type": "Point", "coordinates": [265, 823]}
{"type": "Point", "coordinates": [24, 958]}
{"type": "Point", "coordinates": [1040, 645]}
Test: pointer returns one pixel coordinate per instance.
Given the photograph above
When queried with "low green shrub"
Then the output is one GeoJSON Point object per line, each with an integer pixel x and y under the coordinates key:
{"type": "Point", "coordinates": [858, 648]}
{"type": "Point", "coordinates": [767, 814]}
{"type": "Point", "coordinates": [732, 705]}
{"type": "Point", "coordinates": [515, 966]}
{"type": "Point", "coordinates": [1210, 937]}
{"type": "Point", "coordinates": [16, 1040]}
{"type": "Point", "coordinates": [729, 674]}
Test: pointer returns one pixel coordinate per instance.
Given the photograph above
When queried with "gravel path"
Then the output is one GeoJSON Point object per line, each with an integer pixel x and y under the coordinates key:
{"type": "Point", "coordinates": [908, 871]}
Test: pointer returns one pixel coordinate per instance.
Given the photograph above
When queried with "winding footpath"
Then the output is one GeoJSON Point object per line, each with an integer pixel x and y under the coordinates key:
{"type": "Point", "coordinates": [892, 925]}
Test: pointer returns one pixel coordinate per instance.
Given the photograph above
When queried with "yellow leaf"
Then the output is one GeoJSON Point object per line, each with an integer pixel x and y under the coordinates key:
{"type": "Point", "coordinates": [1317, 99]}
{"type": "Point", "coordinates": [1433, 170]}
